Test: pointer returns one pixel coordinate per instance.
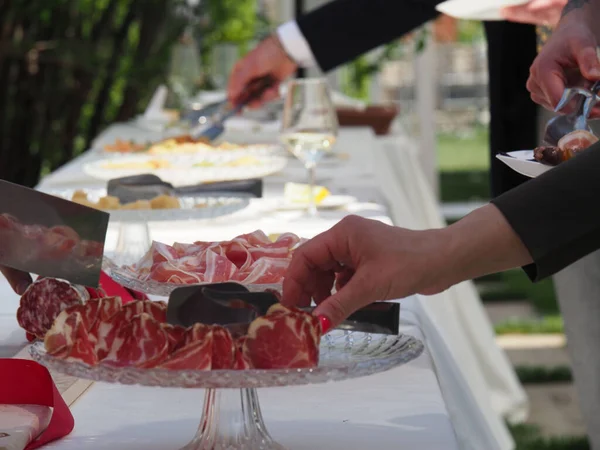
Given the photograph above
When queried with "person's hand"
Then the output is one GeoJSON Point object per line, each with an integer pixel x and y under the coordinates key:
{"type": "Point", "coordinates": [569, 58]}
{"type": "Point", "coordinates": [268, 58]}
{"type": "Point", "coordinates": [536, 12]}
{"type": "Point", "coordinates": [18, 280]}
{"type": "Point", "coordinates": [368, 261]}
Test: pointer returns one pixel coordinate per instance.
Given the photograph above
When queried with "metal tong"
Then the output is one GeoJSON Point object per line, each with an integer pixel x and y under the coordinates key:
{"type": "Point", "coordinates": [209, 131]}
{"type": "Point", "coordinates": [562, 125]}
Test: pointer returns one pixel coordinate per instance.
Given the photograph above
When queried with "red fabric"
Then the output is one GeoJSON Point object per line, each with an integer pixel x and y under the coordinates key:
{"type": "Point", "coordinates": [113, 289]}
{"type": "Point", "coordinates": [29, 383]}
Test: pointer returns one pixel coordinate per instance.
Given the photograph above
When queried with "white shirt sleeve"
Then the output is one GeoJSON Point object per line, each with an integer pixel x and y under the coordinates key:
{"type": "Point", "coordinates": [295, 44]}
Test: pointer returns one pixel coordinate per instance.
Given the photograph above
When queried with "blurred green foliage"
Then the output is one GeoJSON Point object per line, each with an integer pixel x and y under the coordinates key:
{"type": "Point", "coordinates": [68, 68]}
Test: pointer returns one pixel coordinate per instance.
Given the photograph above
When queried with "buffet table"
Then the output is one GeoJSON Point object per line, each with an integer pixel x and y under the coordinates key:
{"type": "Point", "coordinates": [402, 408]}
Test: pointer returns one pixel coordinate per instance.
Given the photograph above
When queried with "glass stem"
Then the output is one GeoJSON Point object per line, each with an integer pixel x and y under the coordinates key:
{"type": "Point", "coordinates": [312, 205]}
{"type": "Point", "coordinates": [133, 242]}
{"type": "Point", "coordinates": [231, 420]}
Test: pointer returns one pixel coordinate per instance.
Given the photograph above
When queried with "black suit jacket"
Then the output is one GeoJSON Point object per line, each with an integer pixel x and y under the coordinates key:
{"type": "Point", "coordinates": [556, 215]}
{"type": "Point", "coordinates": [341, 30]}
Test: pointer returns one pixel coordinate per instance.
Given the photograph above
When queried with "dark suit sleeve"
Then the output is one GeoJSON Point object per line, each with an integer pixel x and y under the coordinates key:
{"type": "Point", "coordinates": [557, 215]}
{"type": "Point", "coordinates": [341, 30]}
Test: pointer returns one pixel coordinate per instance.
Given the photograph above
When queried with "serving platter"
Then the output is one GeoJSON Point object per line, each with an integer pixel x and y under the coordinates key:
{"type": "Point", "coordinates": [477, 9]}
{"type": "Point", "coordinates": [192, 208]}
{"type": "Point", "coordinates": [182, 170]}
{"type": "Point", "coordinates": [231, 416]}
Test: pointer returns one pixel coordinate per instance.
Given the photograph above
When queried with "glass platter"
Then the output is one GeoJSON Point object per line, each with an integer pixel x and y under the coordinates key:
{"type": "Point", "coordinates": [231, 417]}
{"type": "Point", "coordinates": [192, 208]}
{"type": "Point", "coordinates": [127, 278]}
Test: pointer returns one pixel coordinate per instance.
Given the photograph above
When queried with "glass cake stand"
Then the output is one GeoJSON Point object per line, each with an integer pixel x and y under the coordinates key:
{"type": "Point", "coordinates": [231, 417]}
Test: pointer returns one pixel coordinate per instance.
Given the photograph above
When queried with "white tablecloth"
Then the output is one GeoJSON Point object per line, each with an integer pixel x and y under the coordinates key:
{"type": "Point", "coordinates": [410, 410]}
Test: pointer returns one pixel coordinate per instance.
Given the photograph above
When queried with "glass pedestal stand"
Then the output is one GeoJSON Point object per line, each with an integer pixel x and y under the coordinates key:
{"type": "Point", "coordinates": [232, 420]}
{"type": "Point", "coordinates": [133, 242]}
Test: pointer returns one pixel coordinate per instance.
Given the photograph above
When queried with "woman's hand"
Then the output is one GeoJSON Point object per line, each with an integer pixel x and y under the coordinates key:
{"type": "Point", "coordinates": [368, 261]}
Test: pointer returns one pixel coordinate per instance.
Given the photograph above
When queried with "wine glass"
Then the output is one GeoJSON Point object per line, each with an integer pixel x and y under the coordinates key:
{"type": "Point", "coordinates": [309, 126]}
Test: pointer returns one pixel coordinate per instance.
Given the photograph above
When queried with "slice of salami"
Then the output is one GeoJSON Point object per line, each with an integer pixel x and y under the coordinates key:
{"type": "Point", "coordinates": [283, 339]}
{"type": "Point", "coordinates": [223, 349]}
{"type": "Point", "coordinates": [196, 355]}
{"type": "Point", "coordinates": [43, 301]}
{"type": "Point", "coordinates": [140, 343]}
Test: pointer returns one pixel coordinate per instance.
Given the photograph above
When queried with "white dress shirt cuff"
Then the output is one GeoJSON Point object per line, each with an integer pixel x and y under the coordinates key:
{"type": "Point", "coordinates": [295, 44]}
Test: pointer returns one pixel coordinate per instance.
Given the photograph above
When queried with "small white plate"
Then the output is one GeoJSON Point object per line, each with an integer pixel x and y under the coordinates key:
{"type": "Point", "coordinates": [521, 161]}
{"type": "Point", "coordinates": [329, 202]}
{"type": "Point", "coordinates": [477, 9]}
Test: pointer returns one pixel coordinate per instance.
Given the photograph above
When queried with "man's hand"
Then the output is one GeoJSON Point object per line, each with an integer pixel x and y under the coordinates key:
{"type": "Point", "coordinates": [569, 58]}
{"type": "Point", "coordinates": [18, 280]}
{"type": "Point", "coordinates": [536, 12]}
{"type": "Point", "coordinates": [268, 58]}
{"type": "Point", "coordinates": [368, 261]}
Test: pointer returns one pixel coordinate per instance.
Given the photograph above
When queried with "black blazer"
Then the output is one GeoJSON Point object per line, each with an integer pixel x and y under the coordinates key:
{"type": "Point", "coordinates": [341, 30]}
{"type": "Point", "coordinates": [556, 215]}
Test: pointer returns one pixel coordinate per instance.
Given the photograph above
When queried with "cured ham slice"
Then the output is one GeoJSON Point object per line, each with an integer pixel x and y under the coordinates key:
{"type": "Point", "coordinates": [249, 259]}
{"type": "Point", "coordinates": [43, 301]}
{"type": "Point", "coordinates": [223, 349]}
{"type": "Point", "coordinates": [283, 338]}
{"type": "Point", "coordinates": [140, 343]}
{"type": "Point", "coordinates": [69, 340]}
{"type": "Point", "coordinates": [101, 331]}
{"type": "Point", "coordinates": [196, 353]}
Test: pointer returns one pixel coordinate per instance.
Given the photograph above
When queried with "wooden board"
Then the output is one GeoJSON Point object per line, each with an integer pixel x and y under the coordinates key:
{"type": "Point", "coordinates": [71, 388]}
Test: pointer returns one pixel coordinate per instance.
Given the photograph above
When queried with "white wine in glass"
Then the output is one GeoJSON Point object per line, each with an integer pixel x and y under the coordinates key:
{"type": "Point", "coordinates": [309, 126]}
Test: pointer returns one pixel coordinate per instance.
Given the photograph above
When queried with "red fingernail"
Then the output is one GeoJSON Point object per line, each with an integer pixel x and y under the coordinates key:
{"type": "Point", "coordinates": [325, 324]}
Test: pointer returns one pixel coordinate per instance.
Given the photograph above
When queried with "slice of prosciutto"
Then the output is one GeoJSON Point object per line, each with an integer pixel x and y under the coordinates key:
{"type": "Point", "coordinates": [249, 259]}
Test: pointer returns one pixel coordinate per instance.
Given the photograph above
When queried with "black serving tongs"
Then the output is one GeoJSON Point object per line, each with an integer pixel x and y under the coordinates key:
{"type": "Point", "coordinates": [147, 186]}
{"type": "Point", "coordinates": [234, 306]}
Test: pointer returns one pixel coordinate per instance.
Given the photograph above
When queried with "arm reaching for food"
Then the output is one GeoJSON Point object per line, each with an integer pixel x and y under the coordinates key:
{"type": "Point", "coordinates": [570, 57]}
{"type": "Point", "coordinates": [543, 226]}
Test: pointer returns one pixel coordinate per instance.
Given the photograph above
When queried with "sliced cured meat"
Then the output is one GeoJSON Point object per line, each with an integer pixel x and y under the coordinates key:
{"type": "Point", "coordinates": [223, 349]}
{"type": "Point", "coordinates": [175, 336]}
{"type": "Point", "coordinates": [158, 310]}
{"type": "Point", "coordinates": [577, 141]}
{"type": "Point", "coordinates": [43, 301]}
{"type": "Point", "coordinates": [105, 330]}
{"type": "Point", "coordinates": [264, 271]}
{"type": "Point", "coordinates": [249, 258]}
{"type": "Point", "coordinates": [283, 338]}
{"type": "Point", "coordinates": [194, 355]}
{"type": "Point", "coordinates": [140, 343]}
{"type": "Point", "coordinates": [241, 361]}
{"type": "Point", "coordinates": [69, 339]}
